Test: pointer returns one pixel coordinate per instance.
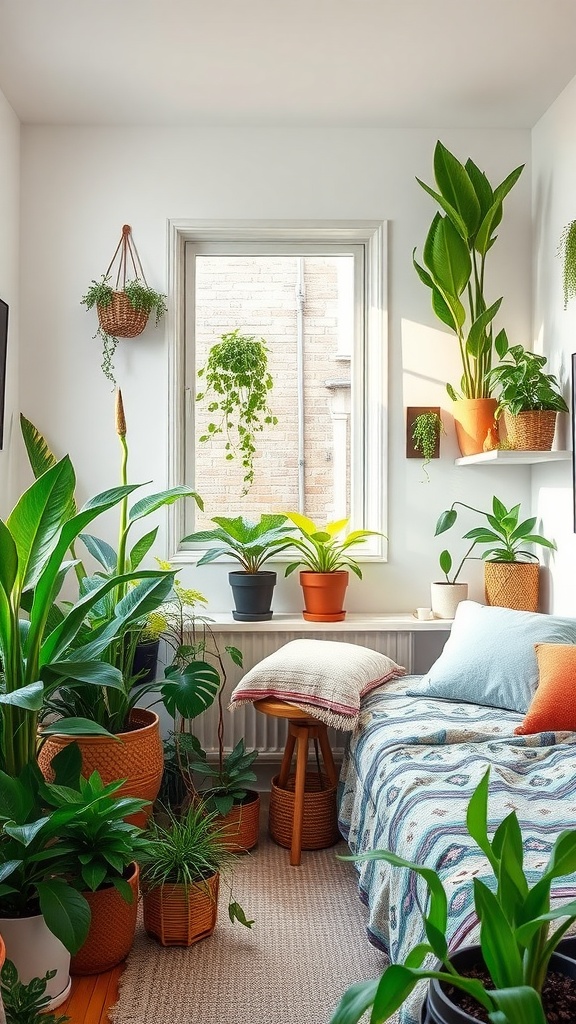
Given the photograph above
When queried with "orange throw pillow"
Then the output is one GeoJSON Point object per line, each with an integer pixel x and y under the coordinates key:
{"type": "Point", "coordinates": [553, 706]}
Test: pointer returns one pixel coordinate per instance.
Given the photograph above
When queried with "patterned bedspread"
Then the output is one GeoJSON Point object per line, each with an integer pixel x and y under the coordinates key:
{"type": "Point", "coordinates": [408, 775]}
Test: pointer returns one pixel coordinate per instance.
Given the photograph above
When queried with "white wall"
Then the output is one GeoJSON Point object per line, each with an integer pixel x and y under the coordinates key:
{"type": "Point", "coordinates": [80, 185]}
{"type": "Point", "coordinates": [554, 329]}
{"type": "Point", "coordinates": [9, 248]}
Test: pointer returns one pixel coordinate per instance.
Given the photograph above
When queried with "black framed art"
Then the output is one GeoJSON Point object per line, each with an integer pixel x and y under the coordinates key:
{"type": "Point", "coordinates": [3, 349]}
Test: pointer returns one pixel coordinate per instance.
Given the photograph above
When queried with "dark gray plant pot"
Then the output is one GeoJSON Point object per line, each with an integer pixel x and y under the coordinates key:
{"type": "Point", "coordinates": [252, 593]}
{"type": "Point", "coordinates": [145, 662]}
{"type": "Point", "coordinates": [438, 1008]}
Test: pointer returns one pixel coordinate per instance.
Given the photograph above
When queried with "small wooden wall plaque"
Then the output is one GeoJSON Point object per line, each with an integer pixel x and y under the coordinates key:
{"type": "Point", "coordinates": [412, 411]}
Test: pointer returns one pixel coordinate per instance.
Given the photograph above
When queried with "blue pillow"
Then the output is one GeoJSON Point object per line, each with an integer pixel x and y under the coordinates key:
{"type": "Point", "coordinates": [489, 657]}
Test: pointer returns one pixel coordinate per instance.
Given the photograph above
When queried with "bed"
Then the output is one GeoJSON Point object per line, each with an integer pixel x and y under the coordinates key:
{"type": "Point", "coordinates": [408, 774]}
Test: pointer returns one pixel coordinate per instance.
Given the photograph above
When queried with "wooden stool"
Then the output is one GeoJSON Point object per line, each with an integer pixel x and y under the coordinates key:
{"type": "Point", "coordinates": [301, 729]}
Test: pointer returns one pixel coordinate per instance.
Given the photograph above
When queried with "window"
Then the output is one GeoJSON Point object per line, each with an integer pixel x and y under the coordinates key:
{"type": "Point", "coordinates": [316, 295]}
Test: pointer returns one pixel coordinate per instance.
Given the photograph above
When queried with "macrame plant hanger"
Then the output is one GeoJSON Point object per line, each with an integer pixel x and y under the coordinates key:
{"type": "Point", "coordinates": [120, 318]}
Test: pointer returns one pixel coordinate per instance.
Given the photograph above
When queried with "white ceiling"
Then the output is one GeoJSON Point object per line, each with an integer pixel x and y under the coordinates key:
{"type": "Point", "coordinates": [392, 63]}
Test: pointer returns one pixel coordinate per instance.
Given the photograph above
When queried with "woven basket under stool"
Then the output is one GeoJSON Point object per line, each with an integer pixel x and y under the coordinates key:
{"type": "Point", "coordinates": [320, 824]}
{"type": "Point", "coordinates": [119, 319]}
{"type": "Point", "coordinates": [531, 431]}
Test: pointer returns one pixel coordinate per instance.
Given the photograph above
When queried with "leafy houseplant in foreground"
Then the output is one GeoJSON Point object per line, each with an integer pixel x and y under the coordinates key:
{"type": "Point", "coordinates": [251, 544]}
{"type": "Point", "coordinates": [326, 555]}
{"type": "Point", "coordinates": [238, 383]}
{"type": "Point", "coordinates": [511, 569]}
{"type": "Point", "coordinates": [529, 399]}
{"type": "Point", "coordinates": [26, 1003]}
{"type": "Point", "coordinates": [516, 941]}
{"type": "Point", "coordinates": [454, 258]}
{"type": "Point", "coordinates": [180, 878]}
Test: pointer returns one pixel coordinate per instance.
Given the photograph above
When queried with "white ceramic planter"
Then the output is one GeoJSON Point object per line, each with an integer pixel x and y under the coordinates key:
{"type": "Point", "coordinates": [445, 598]}
{"type": "Point", "coordinates": [34, 950]}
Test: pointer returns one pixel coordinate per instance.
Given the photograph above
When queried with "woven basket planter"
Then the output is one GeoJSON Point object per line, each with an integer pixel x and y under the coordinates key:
{"type": "Point", "coordinates": [320, 823]}
{"type": "Point", "coordinates": [531, 431]}
{"type": "Point", "coordinates": [241, 826]}
{"type": "Point", "coordinates": [119, 319]}
{"type": "Point", "coordinates": [136, 756]}
{"type": "Point", "coordinates": [112, 928]}
{"type": "Point", "coordinates": [180, 915]}
{"type": "Point", "coordinates": [512, 585]}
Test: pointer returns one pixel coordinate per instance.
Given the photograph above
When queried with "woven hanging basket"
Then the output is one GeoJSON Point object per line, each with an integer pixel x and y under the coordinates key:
{"type": "Point", "coordinates": [512, 585]}
{"type": "Point", "coordinates": [320, 824]}
{"type": "Point", "coordinates": [180, 915]}
{"type": "Point", "coordinates": [531, 431]}
{"type": "Point", "coordinates": [120, 319]}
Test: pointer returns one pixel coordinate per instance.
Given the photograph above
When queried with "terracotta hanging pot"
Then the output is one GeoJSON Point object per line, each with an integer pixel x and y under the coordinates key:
{"type": "Point", "coordinates": [474, 423]}
{"type": "Point", "coordinates": [112, 928]}
{"type": "Point", "coordinates": [180, 915]}
{"type": "Point", "coordinates": [323, 594]}
{"type": "Point", "coordinates": [240, 828]}
{"type": "Point", "coordinates": [512, 585]}
{"type": "Point", "coordinates": [135, 755]}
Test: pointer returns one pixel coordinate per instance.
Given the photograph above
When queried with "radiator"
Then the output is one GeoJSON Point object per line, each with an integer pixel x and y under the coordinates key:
{"type": "Point", "coordinates": [267, 734]}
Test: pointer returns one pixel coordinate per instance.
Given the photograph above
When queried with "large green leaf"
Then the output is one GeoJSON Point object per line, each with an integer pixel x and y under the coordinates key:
{"type": "Point", "coordinates": [476, 341]}
{"type": "Point", "coordinates": [8, 560]}
{"type": "Point", "coordinates": [521, 1005]}
{"type": "Point", "coordinates": [153, 502]}
{"type": "Point", "coordinates": [191, 691]}
{"type": "Point", "coordinates": [447, 257]}
{"type": "Point", "coordinates": [100, 550]}
{"type": "Point", "coordinates": [439, 304]}
{"type": "Point", "coordinates": [36, 519]}
{"type": "Point", "coordinates": [355, 1001]}
{"type": "Point", "coordinates": [142, 547]}
{"type": "Point", "coordinates": [74, 727]}
{"type": "Point", "coordinates": [29, 697]}
{"type": "Point", "coordinates": [499, 949]}
{"type": "Point", "coordinates": [445, 521]}
{"type": "Point", "coordinates": [456, 187]}
{"type": "Point", "coordinates": [40, 456]}
{"type": "Point", "coordinates": [65, 911]}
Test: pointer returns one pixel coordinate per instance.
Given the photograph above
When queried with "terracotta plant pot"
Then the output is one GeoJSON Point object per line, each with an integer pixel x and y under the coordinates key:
{"type": "Point", "coordinates": [323, 594]}
{"type": "Point", "coordinates": [473, 420]}
{"type": "Point", "coordinates": [512, 585]}
{"type": "Point", "coordinates": [531, 431]}
{"type": "Point", "coordinates": [112, 928]}
{"type": "Point", "coordinates": [179, 915]}
{"type": "Point", "coordinates": [136, 756]}
{"type": "Point", "coordinates": [445, 598]}
{"type": "Point", "coordinates": [241, 824]}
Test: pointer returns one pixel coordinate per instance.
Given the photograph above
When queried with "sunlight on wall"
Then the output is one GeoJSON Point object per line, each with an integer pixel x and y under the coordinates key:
{"type": "Point", "coordinates": [430, 359]}
{"type": "Point", "coordinates": [553, 507]}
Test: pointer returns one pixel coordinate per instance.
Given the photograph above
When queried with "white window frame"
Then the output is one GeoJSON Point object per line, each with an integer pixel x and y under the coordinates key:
{"type": "Point", "coordinates": [369, 481]}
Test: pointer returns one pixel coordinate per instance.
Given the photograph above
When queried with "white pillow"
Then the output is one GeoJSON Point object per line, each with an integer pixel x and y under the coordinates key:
{"type": "Point", "coordinates": [325, 677]}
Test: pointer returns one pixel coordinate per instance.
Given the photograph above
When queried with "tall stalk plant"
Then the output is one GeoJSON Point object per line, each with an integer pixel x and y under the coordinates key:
{"type": "Point", "coordinates": [454, 257]}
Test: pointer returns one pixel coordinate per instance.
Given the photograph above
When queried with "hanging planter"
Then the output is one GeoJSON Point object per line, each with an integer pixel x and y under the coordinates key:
{"type": "Point", "coordinates": [123, 310]}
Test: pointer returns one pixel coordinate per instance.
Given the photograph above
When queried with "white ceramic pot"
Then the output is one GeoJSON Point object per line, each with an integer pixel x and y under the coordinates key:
{"type": "Point", "coordinates": [34, 950]}
{"type": "Point", "coordinates": [445, 598]}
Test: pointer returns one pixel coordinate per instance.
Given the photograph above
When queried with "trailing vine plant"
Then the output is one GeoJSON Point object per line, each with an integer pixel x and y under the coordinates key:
{"type": "Point", "coordinates": [567, 250]}
{"type": "Point", "coordinates": [425, 432]}
{"type": "Point", "coordinates": [238, 383]}
{"type": "Point", "coordinates": [142, 298]}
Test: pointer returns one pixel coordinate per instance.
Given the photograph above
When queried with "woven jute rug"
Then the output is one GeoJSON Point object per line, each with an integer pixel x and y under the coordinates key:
{"type": "Point", "coordinates": [307, 946]}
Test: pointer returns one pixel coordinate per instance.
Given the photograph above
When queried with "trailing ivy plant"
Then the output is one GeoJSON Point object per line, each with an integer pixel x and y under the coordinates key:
{"type": "Point", "coordinates": [425, 432]}
{"type": "Point", "coordinates": [238, 383]}
{"type": "Point", "coordinates": [142, 298]}
{"type": "Point", "coordinates": [567, 250]}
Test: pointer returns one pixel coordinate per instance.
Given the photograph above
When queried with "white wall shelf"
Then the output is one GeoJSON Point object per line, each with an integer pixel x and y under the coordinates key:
{"type": "Point", "coordinates": [392, 622]}
{"type": "Point", "coordinates": [502, 457]}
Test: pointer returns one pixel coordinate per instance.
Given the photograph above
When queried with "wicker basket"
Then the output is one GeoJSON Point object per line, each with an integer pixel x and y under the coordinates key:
{"type": "Point", "coordinates": [531, 431]}
{"type": "Point", "coordinates": [512, 585]}
{"type": "Point", "coordinates": [241, 826]}
{"type": "Point", "coordinates": [320, 824]}
{"type": "Point", "coordinates": [119, 319]}
{"type": "Point", "coordinates": [179, 915]}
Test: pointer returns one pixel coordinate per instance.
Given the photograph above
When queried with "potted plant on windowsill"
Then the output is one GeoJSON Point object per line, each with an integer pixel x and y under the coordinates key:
{"type": "Point", "coordinates": [238, 385]}
{"type": "Point", "coordinates": [446, 595]}
{"type": "Point", "coordinates": [529, 399]}
{"type": "Point", "coordinates": [251, 544]}
{"type": "Point", "coordinates": [506, 972]}
{"type": "Point", "coordinates": [181, 872]}
{"type": "Point", "coordinates": [454, 257]}
{"type": "Point", "coordinates": [511, 570]}
{"type": "Point", "coordinates": [327, 557]}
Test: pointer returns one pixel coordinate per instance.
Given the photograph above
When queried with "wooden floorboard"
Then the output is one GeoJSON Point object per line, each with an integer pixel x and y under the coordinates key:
{"type": "Point", "coordinates": [91, 997]}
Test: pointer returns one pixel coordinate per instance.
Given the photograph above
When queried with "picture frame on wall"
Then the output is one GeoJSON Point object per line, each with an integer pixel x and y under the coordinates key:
{"type": "Point", "coordinates": [573, 436]}
{"type": "Point", "coordinates": [3, 351]}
